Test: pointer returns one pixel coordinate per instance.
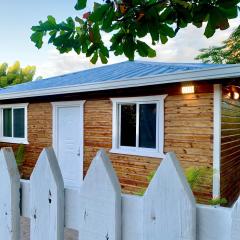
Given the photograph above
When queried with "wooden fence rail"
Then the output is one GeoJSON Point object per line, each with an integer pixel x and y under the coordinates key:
{"type": "Point", "coordinates": [98, 210]}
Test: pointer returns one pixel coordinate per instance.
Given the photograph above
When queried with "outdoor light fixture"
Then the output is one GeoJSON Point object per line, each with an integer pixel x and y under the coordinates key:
{"type": "Point", "coordinates": [236, 95]}
{"type": "Point", "coordinates": [232, 92]}
{"type": "Point", "coordinates": [188, 89]}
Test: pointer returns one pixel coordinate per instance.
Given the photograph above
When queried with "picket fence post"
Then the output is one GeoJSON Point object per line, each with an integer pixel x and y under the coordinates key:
{"type": "Point", "coordinates": [235, 217]}
{"type": "Point", "coordinates": [9, 196]}
{"type": "Point", "coordinates": [47, 199]}
{"type": "Point", "coordinates": [169, 208]}
{"type": "Point", "coordinates": [100, 202]}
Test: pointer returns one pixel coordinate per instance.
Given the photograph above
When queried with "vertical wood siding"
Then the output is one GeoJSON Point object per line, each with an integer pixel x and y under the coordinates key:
{"type": "Point", "coordinates": [230, 149]}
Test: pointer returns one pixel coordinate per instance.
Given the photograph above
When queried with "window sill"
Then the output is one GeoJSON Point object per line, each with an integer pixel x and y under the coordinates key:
{"type": "Point", "coordinates": [14, 140]}
{"type": "Point", "coordinates": [138, 152]}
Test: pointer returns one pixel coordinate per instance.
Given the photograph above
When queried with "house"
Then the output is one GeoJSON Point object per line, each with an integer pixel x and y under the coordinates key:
{"type": "Point", "coordinates": [137, 111]}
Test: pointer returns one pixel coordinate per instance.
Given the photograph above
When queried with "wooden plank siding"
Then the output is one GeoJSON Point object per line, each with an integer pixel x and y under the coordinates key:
{"type": "Point", "coordinates": [230, 149]}
{"type": "Point", "coordinates": [188, 132]}
{"type": "Point", "coordinates": [39, 134]}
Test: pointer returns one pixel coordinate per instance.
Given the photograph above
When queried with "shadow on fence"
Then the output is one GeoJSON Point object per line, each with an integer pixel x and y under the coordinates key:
{"type": "Point", "coordinates": [98, 210]}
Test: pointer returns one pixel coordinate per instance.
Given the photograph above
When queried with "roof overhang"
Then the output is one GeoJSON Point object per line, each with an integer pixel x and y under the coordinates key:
{"type": "Point", "coordinates": [221, 72]}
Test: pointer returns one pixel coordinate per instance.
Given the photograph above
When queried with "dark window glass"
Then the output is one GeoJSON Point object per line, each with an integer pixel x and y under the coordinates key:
{"type": "Point", "coordinates": [7, 122]}
{"type": "Point", "coordinates": [147, 125]}
{"type": "Point", "coordinates": [18, 121]}
{"type": "Point", "coordinates": [128, 125]}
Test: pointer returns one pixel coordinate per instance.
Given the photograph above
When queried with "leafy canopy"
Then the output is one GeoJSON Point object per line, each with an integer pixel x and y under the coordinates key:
{"type": "Point", "coordinates": [11, 75]}
{"type": "Point", "coordinates": [129, 21]}
{"type": "Point", "coordinates": [228, 52]}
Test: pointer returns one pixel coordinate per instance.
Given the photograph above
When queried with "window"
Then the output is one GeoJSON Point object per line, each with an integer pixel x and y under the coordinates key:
{"type": "Point", "coordinates": [14, 123]}
{"type": "Point", "coordinates": [138, 126]}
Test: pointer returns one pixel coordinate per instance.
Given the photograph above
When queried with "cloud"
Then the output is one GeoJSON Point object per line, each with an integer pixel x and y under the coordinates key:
{"type": "Point", "coordinates": [183, 48]}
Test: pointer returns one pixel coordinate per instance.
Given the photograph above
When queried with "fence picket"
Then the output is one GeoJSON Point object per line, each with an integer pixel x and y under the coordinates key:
{"type": "Point", "coordinates": [100, 202]}
{"type": "Point", "coordinates": [9, 196]}
{"type": "Point", "coordinates": [169, 207]}
{"type": "Point", "coordinates": [235, 229]}
{"type": "Point", "coordinates": [47, 199]}
{"type": "Point", "coordinates": [99, 211]}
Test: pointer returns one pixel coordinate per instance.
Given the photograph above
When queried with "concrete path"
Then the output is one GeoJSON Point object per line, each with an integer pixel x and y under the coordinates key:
{"type": "Point", "coordinates": [69, 234]}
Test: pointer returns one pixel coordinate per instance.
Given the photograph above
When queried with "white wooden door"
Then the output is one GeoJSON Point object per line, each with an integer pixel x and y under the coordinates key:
{"type": "Point", "coordinates": [68, 143]}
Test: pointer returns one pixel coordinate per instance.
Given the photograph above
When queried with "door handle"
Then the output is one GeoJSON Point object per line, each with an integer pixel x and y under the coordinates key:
{"type": "Point", "coordinates": [78, 153]}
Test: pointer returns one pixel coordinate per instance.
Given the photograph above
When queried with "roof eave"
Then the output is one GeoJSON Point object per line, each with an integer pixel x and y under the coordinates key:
{"type": "Point", "coordinates": [228, 71]}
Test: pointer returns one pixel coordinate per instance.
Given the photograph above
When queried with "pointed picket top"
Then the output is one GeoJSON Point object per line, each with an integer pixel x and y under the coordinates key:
{"type": "Point", "coordinates": [47, 198]}
{"type": "Point", "coordinates": [100, 201]}
{"type": "Point", "coordinates": [169, 205]}
{"type": "Point", "coordinates": [9, 196]}
{"type": "Point", "coordinates": [235, 215]}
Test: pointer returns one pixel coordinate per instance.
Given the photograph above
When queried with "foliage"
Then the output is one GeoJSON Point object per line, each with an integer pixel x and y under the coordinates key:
{"type": "Point", "coordinates": [11, 75]}
{"type": "Point", "coordinates": [228, 53]}
{"type": "Point", "coordinates": [128, 21]}
{"type": "Point", "coordinates": [218, 201]}
{"type": "Point", "coordinates": [19, 155]}
{"type": "Point", "coordinates": [198, 175]}
{"type": "Point", "coordinates": [195, 177]}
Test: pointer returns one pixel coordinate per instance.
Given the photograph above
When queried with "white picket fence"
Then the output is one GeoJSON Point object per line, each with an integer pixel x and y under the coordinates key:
{"type": "Point", "coordinates": [98, 210]}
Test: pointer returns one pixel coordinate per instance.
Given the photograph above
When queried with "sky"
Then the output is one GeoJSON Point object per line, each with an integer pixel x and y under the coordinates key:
{"type": "Point", "coordinates": [17, 18]}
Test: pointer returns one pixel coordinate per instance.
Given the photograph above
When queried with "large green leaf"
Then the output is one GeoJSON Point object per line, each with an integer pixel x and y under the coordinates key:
{"type": "Point", "coordinates": [99, 13]}
{"type": "Point", "coordinates": [81, 4]}
{"type": "Point", "coordinates": [209, 30]}
{"type": "Point", "coordinates": [103, 58]}
{"type": "Point", "coordinates": [94, 58]}
{"type": "Point", "coordinates": [37, 38]}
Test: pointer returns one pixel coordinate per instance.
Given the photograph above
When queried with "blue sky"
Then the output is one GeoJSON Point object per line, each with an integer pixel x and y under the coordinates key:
{"type": "Point", "coordinates": [17, 17]}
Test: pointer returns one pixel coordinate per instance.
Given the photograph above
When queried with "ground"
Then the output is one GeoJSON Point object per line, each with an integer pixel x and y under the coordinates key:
{"type": "Point", "coordinates": [69, 234]}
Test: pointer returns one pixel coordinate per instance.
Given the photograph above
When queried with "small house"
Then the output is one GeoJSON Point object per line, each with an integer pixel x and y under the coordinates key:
{"type": "Point", "coordinates": [136, 111]}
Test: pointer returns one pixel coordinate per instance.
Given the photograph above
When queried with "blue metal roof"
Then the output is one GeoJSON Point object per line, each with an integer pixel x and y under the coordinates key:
{"type": "Point", "coordinates": [119, 71]}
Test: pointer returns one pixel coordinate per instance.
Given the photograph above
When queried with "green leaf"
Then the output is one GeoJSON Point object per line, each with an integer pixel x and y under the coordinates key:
{"type": "Point", "coordinates": [129, 47]}
{"type": "Point", "coordinates": [103, 58]}
{"type": "Point", "coordinates": [94, 58]}
{"type": "Point", "coordinates": [99, 13]}
{"type": "Point", "coordinates": [144, 50]}
{"type": "Point", "coordinates": [81, 4]}
{"type": "Point", "coordinates": [166, 30]}
{"type": "Point", "coordinates": [96, 33]}
{"type": "Point", "coordinates": [91, 50]}
{"type": "Point", "coordinates": [37, 38]}
{"type": "Point", "coordinates": [107, 21]}
{"type": "Point", "coordinates": [104, 51]}
{"type": "Point", "coordinates": [151, 53]}
{"type": "Point", "coordinates": [230, 12]}
{"type": "Point", "coordinates": [52, 20]}
{"type": "Point", "coordinates": [163, 38]}
{"type": "Point", "coordinates": [209, 30]}
{"type": "Point", "coordinates": [53, 36]}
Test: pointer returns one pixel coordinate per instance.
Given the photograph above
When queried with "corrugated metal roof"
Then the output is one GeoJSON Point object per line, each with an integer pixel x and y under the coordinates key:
{"type": "Point", "coordinates": [123, 71]}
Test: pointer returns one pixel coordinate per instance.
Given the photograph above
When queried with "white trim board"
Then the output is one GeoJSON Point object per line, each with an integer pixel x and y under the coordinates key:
{"type": "Point", "coordinates": [15, 139]}
{"type": "Point", "coordinates": [137, 151]}
{"type": "Point", "coordinates": [217, 105]}
{"type": "Point", "coordinates": [228, 71]}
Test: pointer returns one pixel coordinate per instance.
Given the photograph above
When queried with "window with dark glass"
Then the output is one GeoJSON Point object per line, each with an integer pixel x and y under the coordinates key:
{"type": "Point", "coordinates": [128, 125]}
{"type": "Point", "coordinates": [7, 122]}
{"type": "Point", "coordinates": [138, 125]}
{"type": "Point", "coordinates": [147, 125]}
{"type": "Point", "coordinates": [14, 122]}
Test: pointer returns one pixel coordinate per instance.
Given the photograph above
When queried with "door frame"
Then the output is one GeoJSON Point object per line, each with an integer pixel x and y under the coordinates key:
{"type": "Point", "coordinates": [55, 107]}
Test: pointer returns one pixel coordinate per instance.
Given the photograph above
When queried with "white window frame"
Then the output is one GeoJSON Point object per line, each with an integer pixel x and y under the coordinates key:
{"type": "Point", "coordinates": [138, 151]}
{"type": "Point", "coordinates": [14, 139]}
